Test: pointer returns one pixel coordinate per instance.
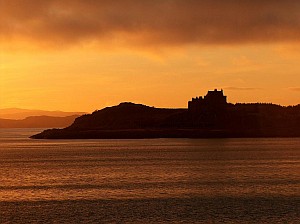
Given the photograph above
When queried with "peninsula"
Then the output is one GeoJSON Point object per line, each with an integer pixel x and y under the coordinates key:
{"type": "Point", "coordinates": [206, 117]}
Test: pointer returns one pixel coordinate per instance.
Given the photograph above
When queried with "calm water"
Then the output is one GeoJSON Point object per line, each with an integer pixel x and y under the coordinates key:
{"type": "Point", "coordinates": [148, 181]}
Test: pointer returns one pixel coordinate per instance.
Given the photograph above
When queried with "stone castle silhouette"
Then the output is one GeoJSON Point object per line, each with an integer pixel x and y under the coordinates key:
{"type": "Point", "coordinates": [213, 102]}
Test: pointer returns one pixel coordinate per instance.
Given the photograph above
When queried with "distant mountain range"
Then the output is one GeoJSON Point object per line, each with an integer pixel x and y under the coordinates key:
{"type": "Point", "coordinates": [38, 122]}
{"type": "Point", "coordinates": [19, 114]}
{"type": "Point", "coordinates": [24, 118]}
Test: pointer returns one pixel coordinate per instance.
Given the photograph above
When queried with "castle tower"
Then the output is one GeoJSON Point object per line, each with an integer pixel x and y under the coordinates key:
{"type": "Point", "coordinates": [213, 102]}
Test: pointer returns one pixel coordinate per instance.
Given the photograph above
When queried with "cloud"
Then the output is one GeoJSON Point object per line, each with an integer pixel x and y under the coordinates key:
{"type": "Point", "coordinates": [294, 88]}
{"type": "Point", "coordinates": [150, 22]}
{"type": "Point", "coordinates": [240, 88]}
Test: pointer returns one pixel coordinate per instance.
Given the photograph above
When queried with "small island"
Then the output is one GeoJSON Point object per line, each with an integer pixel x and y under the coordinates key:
{"type": "Point", "coordinates": [206, 117]}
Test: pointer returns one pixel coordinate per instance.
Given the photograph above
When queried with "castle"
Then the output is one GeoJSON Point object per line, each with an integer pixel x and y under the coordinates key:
{"type": "Point", "coordinates": [213, 102]}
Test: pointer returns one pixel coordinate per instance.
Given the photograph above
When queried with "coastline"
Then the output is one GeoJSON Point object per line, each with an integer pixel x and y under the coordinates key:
{"type": "Point", "coordinates": [157, 133]}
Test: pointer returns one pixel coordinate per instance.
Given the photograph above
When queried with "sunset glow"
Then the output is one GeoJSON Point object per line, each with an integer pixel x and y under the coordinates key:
{"type": "Point", "coordinates": [149, 111]}
{"type": "Point", "coordinates": [85, 55]}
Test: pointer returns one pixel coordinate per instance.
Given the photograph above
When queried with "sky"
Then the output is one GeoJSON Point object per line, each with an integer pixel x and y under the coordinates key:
{"type": "Point", "coordinates": [83, 55]}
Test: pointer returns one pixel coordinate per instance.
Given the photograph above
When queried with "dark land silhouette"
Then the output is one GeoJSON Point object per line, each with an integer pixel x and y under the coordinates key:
{"type": "Point", "coordinates": [206, 117]}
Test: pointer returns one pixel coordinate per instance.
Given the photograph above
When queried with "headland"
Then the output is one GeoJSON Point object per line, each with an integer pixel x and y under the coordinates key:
{"type": "Point", "coordinates": [210, 116]}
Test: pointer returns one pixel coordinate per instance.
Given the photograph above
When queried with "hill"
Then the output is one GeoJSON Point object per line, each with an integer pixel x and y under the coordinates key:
{"type": "Point", "coordinates": [125, 116]}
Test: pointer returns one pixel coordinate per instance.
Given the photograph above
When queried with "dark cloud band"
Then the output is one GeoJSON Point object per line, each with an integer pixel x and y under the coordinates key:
{"type": "Point", "coordinates": [294, 89]}
{"type": "Point", "coordinates": [161, 22]}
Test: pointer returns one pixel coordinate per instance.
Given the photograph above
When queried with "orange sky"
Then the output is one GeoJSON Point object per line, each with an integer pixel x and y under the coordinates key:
{"type": "Point", "coordinates": [83, 55]}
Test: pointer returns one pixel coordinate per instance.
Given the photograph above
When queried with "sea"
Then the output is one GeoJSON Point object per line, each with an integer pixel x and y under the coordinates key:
{"type": "Point", "coordinates": [148, 180]}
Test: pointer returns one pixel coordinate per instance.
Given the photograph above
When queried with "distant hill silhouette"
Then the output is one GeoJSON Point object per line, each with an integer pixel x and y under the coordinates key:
{"type": "Point", "coordinates": [38, 122]}
{"type": "Point", "coordinates": [125, 116]}
{"type": "Point", "coordinates": [206, 117]}
{"type": "Point", "coordinates": [19, 114]}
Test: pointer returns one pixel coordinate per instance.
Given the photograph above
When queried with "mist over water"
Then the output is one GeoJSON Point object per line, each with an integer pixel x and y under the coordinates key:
{"type": "Point", "coordinates": [148, 181]}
